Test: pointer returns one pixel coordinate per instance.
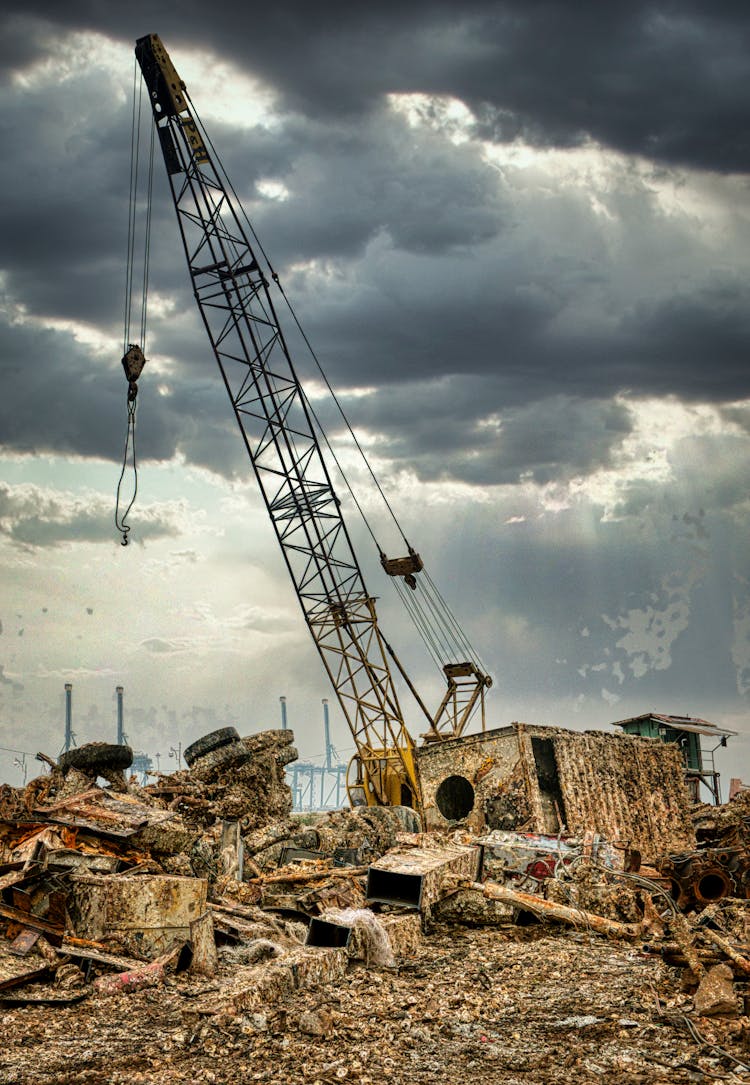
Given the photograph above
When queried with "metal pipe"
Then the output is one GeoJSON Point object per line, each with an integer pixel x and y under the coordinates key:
{"type": "Point", "coordinates": [120, 728]}
{"type": "Point", "coordinates": [69, 736]}
{"type": "Point", "coordinates": [327, 729]}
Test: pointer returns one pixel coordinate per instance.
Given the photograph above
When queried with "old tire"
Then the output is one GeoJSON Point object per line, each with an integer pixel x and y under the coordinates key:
{"type": "Point", "coordinates": [263, 741]}
{"type": "Point", "coordinates": [212, 764]}
{"type": "Point", "coordinates": [95, 757]}
{"type": "Point", "coordinates": [214, 740]}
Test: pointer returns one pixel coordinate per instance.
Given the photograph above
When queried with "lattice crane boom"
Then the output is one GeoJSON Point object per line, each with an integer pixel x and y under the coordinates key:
{"type": "Point", "coordinates": [275, 421]}
{"type": "Point", "coordinates": [237, 309]}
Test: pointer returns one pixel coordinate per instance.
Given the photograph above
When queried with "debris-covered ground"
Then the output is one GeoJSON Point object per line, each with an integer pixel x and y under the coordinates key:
{"type": "Point", "coordinates": [471, 1005]}
{"type": "Point", "coordinates": [193, 930]}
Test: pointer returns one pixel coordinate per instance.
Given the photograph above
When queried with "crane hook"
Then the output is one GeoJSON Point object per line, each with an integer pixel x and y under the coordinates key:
{"type": "Point", "coordinates": [133, 363]}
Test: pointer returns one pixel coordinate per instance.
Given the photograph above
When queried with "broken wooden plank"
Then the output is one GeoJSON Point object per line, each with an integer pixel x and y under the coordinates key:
{"type": "Point", "coordinates": [72, 859]}
{"type": "Point", "coordinates": [297, 875]}
{"type": "Point", "coordinates": [240, 910]}
{"type": "Point", "coordinates": [7, 872]}
{"type": "Point", "coordinates": [71, 800]}
{"type": "Point", "coordinates": [48, 1000]}
{"type": "Point", "coordinates": [108, 832]}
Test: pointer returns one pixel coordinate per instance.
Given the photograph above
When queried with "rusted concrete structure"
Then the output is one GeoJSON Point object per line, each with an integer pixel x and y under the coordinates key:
{"type": "Point", "coordinates": [545, 779]}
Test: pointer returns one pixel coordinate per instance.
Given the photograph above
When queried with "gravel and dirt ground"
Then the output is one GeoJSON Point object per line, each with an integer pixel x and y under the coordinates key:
{"type": "Point", "coordinates": [522, 1006]}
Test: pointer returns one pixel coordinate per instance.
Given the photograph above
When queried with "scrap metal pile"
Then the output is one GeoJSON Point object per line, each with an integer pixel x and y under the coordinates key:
{"type": "Point", "coordinates": [203, 886]}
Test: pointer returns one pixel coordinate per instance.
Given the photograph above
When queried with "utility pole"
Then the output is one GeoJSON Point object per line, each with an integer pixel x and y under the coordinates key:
{"type": "Point", "coordinates": [282, 702]}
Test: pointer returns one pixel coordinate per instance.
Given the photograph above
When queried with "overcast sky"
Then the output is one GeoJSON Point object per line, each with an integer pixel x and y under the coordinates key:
{"type": "Point", "coordinates": [516, 234]}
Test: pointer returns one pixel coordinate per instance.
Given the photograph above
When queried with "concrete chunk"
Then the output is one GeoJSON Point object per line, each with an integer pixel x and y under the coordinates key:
{"type": "Point", "coordinates": [715, 996]}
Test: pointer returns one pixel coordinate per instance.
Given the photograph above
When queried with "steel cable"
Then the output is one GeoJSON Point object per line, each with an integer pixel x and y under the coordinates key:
{"type": "Point", "coordinates": [120, 520]}
{"type": "Point", "coordinates": [121, 517]}
{"type": "Point", "coordinates": [132, 202]}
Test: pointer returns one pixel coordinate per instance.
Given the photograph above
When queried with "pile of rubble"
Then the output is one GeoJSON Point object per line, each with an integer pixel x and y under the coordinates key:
{"type": "Point", "coordinates": [205, 905]}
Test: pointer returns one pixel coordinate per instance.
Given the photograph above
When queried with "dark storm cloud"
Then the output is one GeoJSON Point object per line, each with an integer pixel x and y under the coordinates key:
{"type": "Point", "coordinates": [550, 439]}
{"type": "Point", "coordinates": [59, 399]}
{"type": "Point", "coordinates": [441, 433]}
{"type": "Point", "coordinates": [55, 397]}
{"type": "Point", "coordinates": [352, 183]}
{"type": "Point", "coordinates": [506, 319]}
{"type": "Point", "coordinates": [436, 266]}
{"type": "Point", "coordinates": [696, 342]}
{"type": "Point", "coordinates": [61, 220]}
{"type": "Point", "coordinates": [22, 41]}
{"type": "Point", "coordinates": [666, 80]}
{"type": "Point", "coordinates": [738, 416]}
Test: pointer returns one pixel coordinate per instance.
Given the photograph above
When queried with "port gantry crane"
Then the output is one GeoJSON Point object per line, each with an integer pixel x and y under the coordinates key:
{"type": "Point", "coordinates": [278, 429]}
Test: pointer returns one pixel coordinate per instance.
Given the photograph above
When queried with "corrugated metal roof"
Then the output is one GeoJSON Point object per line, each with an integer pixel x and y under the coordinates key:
{"type": "Point", "coordinates": [679, 723]}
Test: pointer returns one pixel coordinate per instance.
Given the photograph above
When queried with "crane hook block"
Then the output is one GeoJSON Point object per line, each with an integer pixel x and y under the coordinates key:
{"type": "Point", "coordinates": [405, 567]}
{"type": "Point", "coordinates": [133, 363]}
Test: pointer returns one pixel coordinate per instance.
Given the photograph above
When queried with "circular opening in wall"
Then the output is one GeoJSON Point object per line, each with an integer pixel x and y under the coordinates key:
{"type": "Point", "coordinates": [455, 798]}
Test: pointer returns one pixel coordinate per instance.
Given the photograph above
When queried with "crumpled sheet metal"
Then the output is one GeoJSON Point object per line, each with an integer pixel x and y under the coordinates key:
{"type": "Point", "coordinates": [532, 854]}
{"type": "Point", "coordinates": [538, 856]}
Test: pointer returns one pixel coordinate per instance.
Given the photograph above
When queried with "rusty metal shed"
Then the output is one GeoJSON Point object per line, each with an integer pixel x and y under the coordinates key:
{"type": "Point", "coordinates": [546, 779]}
